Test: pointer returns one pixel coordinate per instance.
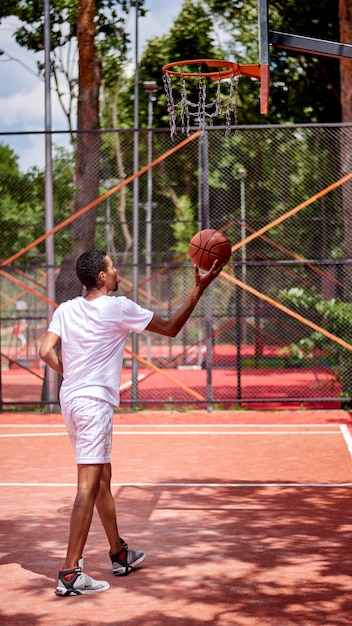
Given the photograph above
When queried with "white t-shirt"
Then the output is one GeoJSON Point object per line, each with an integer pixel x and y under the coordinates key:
{"type": "Point", "coordinates": [93, 335]}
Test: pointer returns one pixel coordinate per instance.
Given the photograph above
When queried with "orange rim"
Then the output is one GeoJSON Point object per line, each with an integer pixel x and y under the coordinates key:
{"type": "Point", "coordinates": [232, 69]}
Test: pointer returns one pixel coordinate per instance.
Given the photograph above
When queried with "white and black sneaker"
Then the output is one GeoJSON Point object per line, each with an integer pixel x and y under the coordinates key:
{"type": "Point", "coordinates": [73, 582]}
{"type": "Point", "coordinates": [125, 560]}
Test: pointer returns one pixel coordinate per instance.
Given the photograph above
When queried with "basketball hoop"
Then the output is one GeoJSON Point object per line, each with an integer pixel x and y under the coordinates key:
{"type": "Point", "coordinates": [224, 73]}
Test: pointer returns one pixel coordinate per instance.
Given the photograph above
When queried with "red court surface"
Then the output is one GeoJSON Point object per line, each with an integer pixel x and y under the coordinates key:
{"type": "Point", "coordinates": [245, 517]}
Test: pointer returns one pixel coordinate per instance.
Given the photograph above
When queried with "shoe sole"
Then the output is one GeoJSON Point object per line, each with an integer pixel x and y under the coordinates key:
{"type": "Point", "coordinates": [65, 593]}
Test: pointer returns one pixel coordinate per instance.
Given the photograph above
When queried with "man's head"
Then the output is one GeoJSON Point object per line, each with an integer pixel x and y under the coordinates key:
{"type": "Point", "coordinates": [89, 265]}
{"type": "Point", "coordinates": [95, 269]}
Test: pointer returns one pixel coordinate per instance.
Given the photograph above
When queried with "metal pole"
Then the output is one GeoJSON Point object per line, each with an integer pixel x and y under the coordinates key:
{"type": "Point", "coordinates": [1, 398]}
{"type": "Point", "coordinates": [51, 375]}
{"type": "Point", "coordinates": [108, 223]}
{"type": "Point", "coordinates": [208, 315]}
{"type": "Point", "coordinates": [150, 89]}
{"type": "Point", "coordinates": [200, 226]}
{"type": "Point", "coordinates": [238, 339]}
{"type": "Point", "coordinates": [243, 173]}
{"type": "Point", "coordinates": [134, 389]}
{"type": "Point", "coordinates": [149, 201]}
{"type": "Point", "coordinates": [108, 184]}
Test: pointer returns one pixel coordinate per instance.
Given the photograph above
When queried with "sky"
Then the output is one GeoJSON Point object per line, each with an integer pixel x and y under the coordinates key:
{"type": "Point", "coordinates": [22, 96]}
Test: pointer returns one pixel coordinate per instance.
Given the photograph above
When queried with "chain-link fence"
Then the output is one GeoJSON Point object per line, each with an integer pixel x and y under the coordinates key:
{"type": "Point", "coordinates": [275, 329]}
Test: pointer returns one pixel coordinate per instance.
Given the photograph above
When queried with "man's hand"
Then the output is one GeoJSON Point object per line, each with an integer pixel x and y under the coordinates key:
{"type": "Point", "coordinates": [203, 280]}
{"type": "Point", "coordinates": [172, 326]}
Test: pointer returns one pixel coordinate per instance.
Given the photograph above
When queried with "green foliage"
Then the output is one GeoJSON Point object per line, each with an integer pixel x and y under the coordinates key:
{"type": "Point", "coordinates": [335, 317]}
{"type": "Point", "coordinates": [111, 18]}
{"type": "Point", "coordinates": [183, 227]}
{"type": "Point", "coordinates": [22, 207]}
{"type": "Point", "coordinates": [301, 90]}
{"type": "Point", "coordinates": [190, 37]}
{"type": "Point", "coordinates": [301, 298]}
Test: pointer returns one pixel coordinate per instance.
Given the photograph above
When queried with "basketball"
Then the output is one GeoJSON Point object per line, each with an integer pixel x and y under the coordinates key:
{"type": "Point", "coordinates": [207, 246]}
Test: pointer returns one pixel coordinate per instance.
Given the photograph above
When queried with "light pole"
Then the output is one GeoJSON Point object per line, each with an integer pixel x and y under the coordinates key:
{"type": "Point", "coordinates": [51, 375]}
{"type": "Point", "coordinates": [109, 183]}
{"type": "Point", "coordinates": [150, 88]}
{"type": "Point", "coordinates": [135, 252]}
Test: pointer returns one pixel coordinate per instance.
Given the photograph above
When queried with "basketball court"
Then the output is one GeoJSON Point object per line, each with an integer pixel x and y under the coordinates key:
{"type": "Point", "coordinates": [244, 517]}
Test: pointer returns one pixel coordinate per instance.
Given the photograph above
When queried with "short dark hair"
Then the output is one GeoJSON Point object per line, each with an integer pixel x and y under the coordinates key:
{"type": "Point", "coordinates": [89, 265]}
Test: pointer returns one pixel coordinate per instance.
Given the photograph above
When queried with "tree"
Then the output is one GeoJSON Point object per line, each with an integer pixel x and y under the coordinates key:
{"type": "Point", "coordinates": [22, 204]}
{"type": "Point", "coordinates": [191, 36]}
{"type": "Point", "coordinates": [18, 204]}
{"type": "Point", "coordinates": [345, 10]}
{"type": "Point", "coordinates": [87, 147]}
{"type": "Point", "coordinates": [336, 317]}
{"type": "Point", "coordinates": [305, 87]}
{"type": "Point", "coordinates": [86, 20]}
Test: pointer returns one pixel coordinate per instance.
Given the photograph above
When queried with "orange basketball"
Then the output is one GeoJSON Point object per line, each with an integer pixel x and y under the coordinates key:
{"type": "Point", "coordinates": [208, 245]}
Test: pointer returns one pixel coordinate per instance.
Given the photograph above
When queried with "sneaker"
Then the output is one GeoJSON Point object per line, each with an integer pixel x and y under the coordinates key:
{"type": "Point", "coordinates": [125, 560]}
{"type": "Point", "coordinates": [73, 582]}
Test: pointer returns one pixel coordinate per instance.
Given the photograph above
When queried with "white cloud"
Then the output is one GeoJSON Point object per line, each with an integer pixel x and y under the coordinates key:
{"type": "Point", "coordinates": [26, 109]}
{"type": "Point", "coordinates": [159, 19]}
{"type": "Point", "coordinates": [23, 107]}
{"type": "Point", "coordinates": [18, 66]}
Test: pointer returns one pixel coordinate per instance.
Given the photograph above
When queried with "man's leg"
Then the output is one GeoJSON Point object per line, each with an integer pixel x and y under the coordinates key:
{"type": "Point", "coordinates": [123, 559]}
{"type": "Point", "coordinates": [88, 484]}
{"type": "Point", "coordinates": [106, 508]}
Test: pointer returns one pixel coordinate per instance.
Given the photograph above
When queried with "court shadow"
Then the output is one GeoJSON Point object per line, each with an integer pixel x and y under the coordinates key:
{"type": "Point", "coordinates": [30, 543]}
{"type": "Point", "coordinates": [277, 555]}
{"type": "Point", "coordinates": [18, 619]}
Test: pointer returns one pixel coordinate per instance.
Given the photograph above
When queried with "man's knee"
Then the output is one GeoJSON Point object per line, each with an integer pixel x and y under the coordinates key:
{"type": "Point", "coordinates": [89, 477]}
{"type": "Point", "coordinates": [106, 473]}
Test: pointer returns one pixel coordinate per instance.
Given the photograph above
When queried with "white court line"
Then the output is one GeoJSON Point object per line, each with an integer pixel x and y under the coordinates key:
{"type": "Point", "coordinates": [335, 431]}
{"type": "Point", "coordinates": [187, 429]}
{"type": "Point", "coordinates": [341, 429]}
{"type": "Point", "coordinates": [32, 425]}
{"type": "Point", "coordinates": [215, 425]}
{"type": "Point", "coordinates": [226, 424]}
{"type": "Point", "coordinates": [186, 485]}
{"type": "Point", "coordinates": [184, 433]}
{"type": "Point", "coordinates": [22, 435]}
{"type": "Point", "coordinates": [347, 437]}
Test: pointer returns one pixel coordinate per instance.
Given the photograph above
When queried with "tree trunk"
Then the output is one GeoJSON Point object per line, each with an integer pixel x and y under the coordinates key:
{"type": "Point", "coordinates": [87, 150]}
{"type": "Point", "coordinates": [345, 19]}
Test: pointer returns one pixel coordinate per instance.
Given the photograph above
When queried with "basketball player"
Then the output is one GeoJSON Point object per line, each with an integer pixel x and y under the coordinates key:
{"type": "Point", "coordinates": [91, 332]}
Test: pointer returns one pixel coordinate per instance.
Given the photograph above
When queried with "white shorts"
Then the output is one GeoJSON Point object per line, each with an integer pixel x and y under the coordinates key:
{"type": "Point", "coordinates": [88, 422]}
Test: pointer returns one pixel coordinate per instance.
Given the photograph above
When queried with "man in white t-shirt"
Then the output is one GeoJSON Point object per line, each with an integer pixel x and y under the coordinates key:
{"type": "Point", "coordinates": [92, 332]}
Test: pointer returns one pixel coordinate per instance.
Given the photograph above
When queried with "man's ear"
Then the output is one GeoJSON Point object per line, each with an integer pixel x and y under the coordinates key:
{"type": "Point", "coordinates": [101, 277]}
